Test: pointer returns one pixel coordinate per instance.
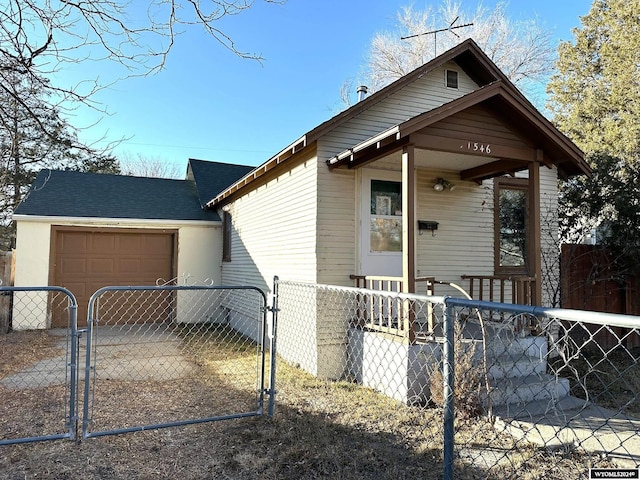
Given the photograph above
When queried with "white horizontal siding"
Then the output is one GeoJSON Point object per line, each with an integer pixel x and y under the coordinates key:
{"type": "Point", "coordinates": [463, 243]}
{"type": "Point", "coordinates": [423, 95]}
{"type": "Point", "coordinates": [336, 247]}
{"type": "Point", "coordinates": [274, 229]}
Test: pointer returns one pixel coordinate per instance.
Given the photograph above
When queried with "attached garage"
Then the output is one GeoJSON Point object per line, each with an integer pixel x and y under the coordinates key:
{"type": "Point", "coordinates": [84, 231]}
{"type": "Point", "coordinates": [84, 260]}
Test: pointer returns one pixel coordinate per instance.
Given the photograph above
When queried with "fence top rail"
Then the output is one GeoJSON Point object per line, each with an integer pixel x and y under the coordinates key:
{"type": "Point", "coordinates": [585, 316]}
{"type": "Point", "coordinates": [366, 291]}
{"type": "Point", "coordinates": [111, 288]}
{"type": "Point", "coordinates": [152, 288]}
{"type": "Point", "coordinates": [42, 289]}
{"type": "Point", "coordinates": [376, 278]}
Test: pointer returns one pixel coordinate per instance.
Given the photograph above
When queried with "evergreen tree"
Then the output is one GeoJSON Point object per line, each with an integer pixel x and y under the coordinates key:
{"type": "Point", "coordinates": [33, 136]}
{"type": "Point", "coordinates": [595, 99]}
{"type": "Point", "coordinates": [595, 92]}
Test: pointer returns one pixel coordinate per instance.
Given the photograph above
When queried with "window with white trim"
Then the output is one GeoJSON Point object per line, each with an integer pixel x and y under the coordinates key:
{"type": "Point", "coordinates": [511, 225]}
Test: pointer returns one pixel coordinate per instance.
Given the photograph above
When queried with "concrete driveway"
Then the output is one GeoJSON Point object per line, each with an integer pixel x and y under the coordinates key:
{"type": "Point", "coordinates": [124, 352]}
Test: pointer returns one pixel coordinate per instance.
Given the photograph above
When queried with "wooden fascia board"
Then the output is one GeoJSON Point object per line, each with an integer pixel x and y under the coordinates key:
{"type": "Point", "coordinates": [374, 152]}
{"type": "Point", "coordinates": [493, 169]}
{"type": "Point", "coordinates": [503, 91]}
{"type": "Point", "coordinates": [258, 172]}
{"type": "Point", "coordinates": [448, 109]}
{"type": "Point", "coordinates": [383, 139]}
{"type": "Point", "coordinates": [459, 145]}
{"type": "Point", "coordinates": [466, 47]}
{"type": "Point", "coordinates": [544, 126]}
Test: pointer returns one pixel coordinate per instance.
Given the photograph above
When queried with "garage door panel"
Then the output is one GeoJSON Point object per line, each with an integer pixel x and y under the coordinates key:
{"type": "Point", "coordinates": [103, 243]}
{"type": "Point", "coordinates": [71, 266]}
{"type": "Point", "coordinates": [86, 261]}
{"type": "Point", "coordinates": [102, 266]}
{"type": "Point", "coordinates": [79, 289]}
{"type": "Point", "coordinates": [156, 243]}
{"type": "Point", "coordinates": [71, 242]}
{"type": "Point", "coordinates": [131, 265]}
{"type": "Point", "coordinates": [153, 265]}
{"type": "Point", "coordinates": [130, 244]}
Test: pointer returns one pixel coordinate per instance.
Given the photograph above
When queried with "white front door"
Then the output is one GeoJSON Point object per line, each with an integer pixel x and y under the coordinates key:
{"type": "Point", "coordinates": [381, 223]}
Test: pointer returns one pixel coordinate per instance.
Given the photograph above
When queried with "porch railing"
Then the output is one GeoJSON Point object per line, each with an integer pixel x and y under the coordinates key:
{"type": "Point", "coordinates": [393, 284]}
{"type": "Point", "coordinates": [388, 314]}
{"type": "Point", "coordinates": [392, 316]}
{"type": "Point", "coordinates": [502, 288]}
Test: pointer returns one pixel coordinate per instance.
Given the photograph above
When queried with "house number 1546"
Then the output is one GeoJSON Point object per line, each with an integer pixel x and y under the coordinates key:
{"type": "Point", "coordinates": [479, 147]}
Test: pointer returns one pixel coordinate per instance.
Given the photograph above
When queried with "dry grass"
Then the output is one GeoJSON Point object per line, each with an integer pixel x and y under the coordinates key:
{"type": "Point", "coordinates": [321, 429]}
{"type": "Point", "coordinates": [25, 348]}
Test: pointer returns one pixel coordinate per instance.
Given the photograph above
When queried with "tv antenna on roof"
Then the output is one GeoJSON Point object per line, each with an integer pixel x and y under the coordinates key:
{"type": "Point", "coordinates": [452, 26]}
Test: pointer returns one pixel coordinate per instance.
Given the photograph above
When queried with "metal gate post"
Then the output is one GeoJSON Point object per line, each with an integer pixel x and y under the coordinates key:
{"type": "Point", "coordinates": [448, 373]}
{"type": "Point", "coordinates": [87, 368]}
{"type": "Point", "coordinates": [73, 373]}
{"type": "Point", "coordinates": [272, 349]}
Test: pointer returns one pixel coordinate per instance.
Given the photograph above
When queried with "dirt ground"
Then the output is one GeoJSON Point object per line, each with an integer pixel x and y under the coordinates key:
{"type": "Point", "coordinates": [320, 430]}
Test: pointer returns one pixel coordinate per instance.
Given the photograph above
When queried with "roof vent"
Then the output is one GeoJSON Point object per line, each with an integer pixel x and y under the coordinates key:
{"type": "Point", "coordinates": [362, 92]}
{"type": "Point", "coordinates": [451, 78]}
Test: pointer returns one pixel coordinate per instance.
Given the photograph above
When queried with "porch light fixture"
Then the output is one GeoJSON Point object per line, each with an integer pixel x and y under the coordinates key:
{"type": "Point", "coordinates": [441, 184]}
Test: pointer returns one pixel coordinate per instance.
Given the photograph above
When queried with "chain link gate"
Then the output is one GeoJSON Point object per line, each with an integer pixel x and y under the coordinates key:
{"type": "Point", "coordinates": [163, 356]}
{"type": "Point", "coordinates": [38, 373]}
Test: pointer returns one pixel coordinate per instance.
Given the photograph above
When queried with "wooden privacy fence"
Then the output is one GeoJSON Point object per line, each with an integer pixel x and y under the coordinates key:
{"type": "Point", "coordinates": [589, 282]}
{"type": "Point", "coordinates": [6, 276]}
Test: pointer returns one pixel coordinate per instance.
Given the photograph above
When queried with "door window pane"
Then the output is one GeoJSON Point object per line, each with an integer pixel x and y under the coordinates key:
{"type": "Point", "coordinates": [386, 198]}
{"type": "Point", "coordinates": [386, 235]}
{"type": "Point", "coordinates": [386, 216]}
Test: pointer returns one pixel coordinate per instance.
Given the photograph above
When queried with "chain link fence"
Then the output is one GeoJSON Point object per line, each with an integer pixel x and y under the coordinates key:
{"type": "Point", "coordinates": [174, 355]}
{"type": "Point", "coordinates": [38, 367]}
{"type": "Point", "coordinates": [472, 389]}
{"type": "Point", "coordinates": [502, 391]}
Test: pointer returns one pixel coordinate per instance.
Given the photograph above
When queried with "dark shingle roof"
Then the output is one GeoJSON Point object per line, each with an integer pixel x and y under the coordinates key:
{"type": "Point", "coordinates": [76, 194]}
{"type": "Point", "coordinates": [213, 177]}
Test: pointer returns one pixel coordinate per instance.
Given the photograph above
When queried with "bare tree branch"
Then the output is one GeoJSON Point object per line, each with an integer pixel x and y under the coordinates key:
{"type": "Point", "coordinates": [523, 50]}
{"type": "Point", "coordinates": [39, 38]}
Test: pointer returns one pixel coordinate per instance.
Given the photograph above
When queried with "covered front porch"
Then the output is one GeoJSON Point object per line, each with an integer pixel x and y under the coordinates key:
{"type": "Point", "coordinates": [474, 212]}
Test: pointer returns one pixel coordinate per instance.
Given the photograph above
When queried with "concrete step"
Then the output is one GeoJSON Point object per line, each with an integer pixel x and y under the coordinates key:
{"type": "Point", "coordinates": [515, 390]}
{"type": "Point", "coordinates": [531, 346]}
{"type": "Point", "coordinates": [515, 365]}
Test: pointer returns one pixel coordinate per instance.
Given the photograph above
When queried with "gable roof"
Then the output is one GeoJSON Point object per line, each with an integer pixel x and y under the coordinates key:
{"type": "Point", "coordinates": [57, 193]}
{"type": "Point", "coordinates": [467, 54]}
{"type": "Point", "coordinates": [211, 178]}
{"type": "Point", "coordinates": [503, 99]}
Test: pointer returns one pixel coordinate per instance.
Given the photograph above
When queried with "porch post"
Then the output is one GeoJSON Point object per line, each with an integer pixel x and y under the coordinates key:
{"type": "Point", "coordinates": [408, 238]}
{"type": "Point", "coordinates": [535, 245]}
{"type": "Point", "coordinates": [408, 220]}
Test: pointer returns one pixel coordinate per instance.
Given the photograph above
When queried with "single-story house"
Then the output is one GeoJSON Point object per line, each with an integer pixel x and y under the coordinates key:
{"type": "Point", "coordinates": [447, 173]}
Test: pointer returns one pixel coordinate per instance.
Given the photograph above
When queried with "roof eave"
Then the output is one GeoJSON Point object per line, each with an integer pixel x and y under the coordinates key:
{"type": "Point", "coordinates": [284, 154]}
{"type": "Point", "coordinates": [160, 222]}
{"type": "Point", "coordinates": [486, 71]}
{"type": "Point", "coordinates": [500, 89]}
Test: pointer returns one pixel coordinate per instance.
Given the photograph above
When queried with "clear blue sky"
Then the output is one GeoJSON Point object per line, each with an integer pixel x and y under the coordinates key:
{"type": "Point", "coordinates": [209, 104]}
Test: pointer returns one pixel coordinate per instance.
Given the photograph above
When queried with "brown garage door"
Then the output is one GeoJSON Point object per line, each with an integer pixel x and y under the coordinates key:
{"type": "Point", "coordinates": [86, 260]}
